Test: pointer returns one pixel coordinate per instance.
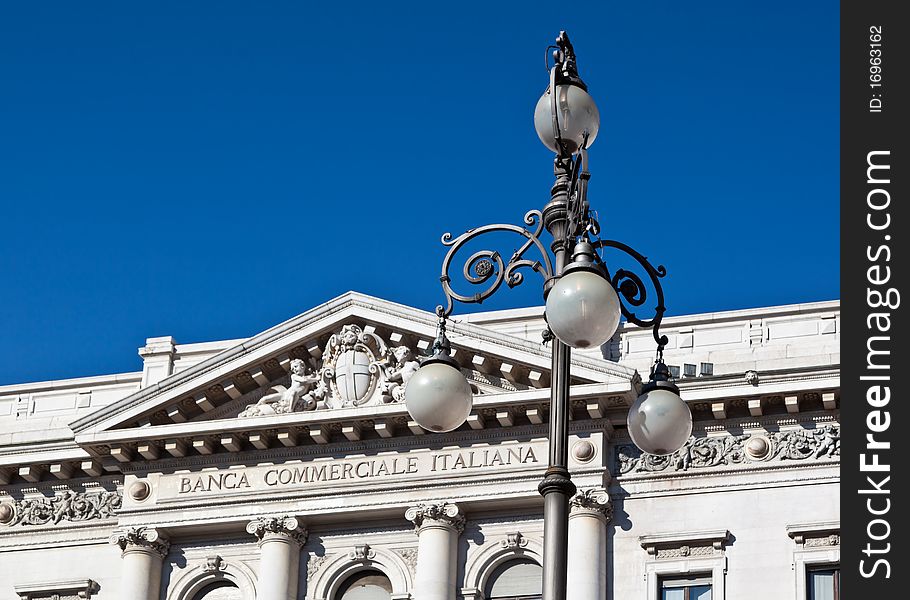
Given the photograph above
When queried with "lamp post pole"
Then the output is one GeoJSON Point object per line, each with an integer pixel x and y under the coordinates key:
{"type": "Point", "coordinates": [557, 487]}
{"type": "Point", "coordinates": [584, 301]}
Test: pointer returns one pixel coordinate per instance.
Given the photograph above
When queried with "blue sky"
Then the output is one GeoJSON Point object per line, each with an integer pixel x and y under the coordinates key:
{"type": "Point", "coordinates": [206, 170]}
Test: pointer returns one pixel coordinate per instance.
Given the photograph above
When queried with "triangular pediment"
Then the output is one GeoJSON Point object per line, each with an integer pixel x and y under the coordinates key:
{"type": "Point", "coordinates": [350, 380]}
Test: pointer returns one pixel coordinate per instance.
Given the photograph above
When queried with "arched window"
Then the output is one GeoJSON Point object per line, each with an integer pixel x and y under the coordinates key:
{"type": "Point", "coordinates": [220, 590]}
{"type": "Point", "coordinates": [365, 585]}
{"type": "Point", "coordinates": [519, 579]}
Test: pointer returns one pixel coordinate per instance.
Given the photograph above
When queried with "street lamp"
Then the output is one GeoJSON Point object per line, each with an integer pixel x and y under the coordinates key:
{"type": "Point", "coordinates": [584, 301]}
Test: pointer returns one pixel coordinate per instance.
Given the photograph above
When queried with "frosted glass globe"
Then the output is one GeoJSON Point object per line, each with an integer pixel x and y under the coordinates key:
{"type": "Point", "coordinates": [659, 422]}
{"type": "Point", "coordinates": [577, 114]}
{"type": "Point", "coordinates": [583, 309]}
{"type": "Point", "coordinates": [438, 397]}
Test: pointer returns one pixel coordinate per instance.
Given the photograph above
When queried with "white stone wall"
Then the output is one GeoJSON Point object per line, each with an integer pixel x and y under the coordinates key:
{"type": "Point", "coordinates": [99, 562]}
{"type": "Point", "coordinates": [759, 559]}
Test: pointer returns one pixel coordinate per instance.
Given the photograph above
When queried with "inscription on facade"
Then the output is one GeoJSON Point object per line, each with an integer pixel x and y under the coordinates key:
{"type": "Point", "coordinates": [324, 472]}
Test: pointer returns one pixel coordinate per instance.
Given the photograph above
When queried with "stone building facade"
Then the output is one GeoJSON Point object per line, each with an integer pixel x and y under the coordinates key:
{"type": "Point", "coordinates": [284, 466]}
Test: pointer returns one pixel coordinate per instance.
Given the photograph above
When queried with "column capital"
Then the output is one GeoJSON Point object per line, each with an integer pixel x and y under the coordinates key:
{"type": "Point", "coordinates": [438, 514]}
{"type": "Point", "coordinates": [282, 528]}
{"type": "Point", "coordinates": [593, 501]}
{"type": "Point", "coordinates": [142, 539]}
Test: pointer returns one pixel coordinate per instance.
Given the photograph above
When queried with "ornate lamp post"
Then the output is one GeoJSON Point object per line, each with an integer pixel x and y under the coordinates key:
{"type": "Point", "coordinates": [584, 301]}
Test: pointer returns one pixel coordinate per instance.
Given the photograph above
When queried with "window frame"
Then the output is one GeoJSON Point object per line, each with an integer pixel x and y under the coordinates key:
{"type": "Point", "coordinates": [517, 560]}
{"type": "Point", "coordinates": [674, 555]}
{"type": "Point", "coordinates": [820, 567]}
{"type": "Point", "coordinates": [816, 546]}
{"type": "Point", "coordinates": [691, 580]}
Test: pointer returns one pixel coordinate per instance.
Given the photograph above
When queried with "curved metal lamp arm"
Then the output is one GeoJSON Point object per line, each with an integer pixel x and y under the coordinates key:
{"type": "Point", "coordinates": [487, 268]}
{"type": "Point", "coordinates": [632, 291]}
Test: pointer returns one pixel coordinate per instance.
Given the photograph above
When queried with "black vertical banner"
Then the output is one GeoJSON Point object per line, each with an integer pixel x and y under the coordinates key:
{"type": "Point", "coordinates": [875, 62]}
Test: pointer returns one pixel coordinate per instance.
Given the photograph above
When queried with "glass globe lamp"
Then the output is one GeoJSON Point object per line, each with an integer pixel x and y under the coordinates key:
{"type": "Point", "coordinates": [437, 396]}
{"type": "Point", "coordinates": [576, 115]}
{"type": "Point", "coordinates": [582, 308]}
{"type": "Point", "coordinates": [659, 421]}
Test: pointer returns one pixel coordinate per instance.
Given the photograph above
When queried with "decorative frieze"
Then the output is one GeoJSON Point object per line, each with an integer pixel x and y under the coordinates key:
{"type": "Point", "coordinates": [698, 453]}
{"type": "Point", "coordinates": [685, 551]}
{"type": "Point", "coordinates": [141, 538]}
{"type": "Point", "coordinates": [68, 506]}
{"type": "Point", "coordinates": [288, 527]}
{"type": "Point", "coordinates": [440, 514]}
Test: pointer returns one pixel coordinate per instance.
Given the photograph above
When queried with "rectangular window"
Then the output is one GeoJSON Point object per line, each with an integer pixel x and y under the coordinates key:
{"type": "Point", "coordinates": [696, 587]}
{"type": "Point", "coordinates": [823, 583]}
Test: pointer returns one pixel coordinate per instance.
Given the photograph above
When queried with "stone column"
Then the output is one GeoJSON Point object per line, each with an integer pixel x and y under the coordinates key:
{"type": "Point", "coordinates": [438, 527]}
{"type": "Point", "coordinates": [280, 539]}
{"type": "Point", "coordinates": [589, 513]}
{"type": "Point", "coordinates": [144, 549]}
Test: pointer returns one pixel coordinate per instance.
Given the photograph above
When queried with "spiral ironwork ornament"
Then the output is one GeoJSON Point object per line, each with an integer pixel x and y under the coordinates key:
{"type": "Point", "coordinates": [487, 268]}
{"type": "Point", "coordinates": [632, 290]}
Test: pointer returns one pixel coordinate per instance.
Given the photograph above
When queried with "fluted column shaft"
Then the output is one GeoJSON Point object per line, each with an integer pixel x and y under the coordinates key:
{"type": "Point", "coordinates": [438, 527]}
{"type": "Point", "coordinates": [280, 539]}
{"type": "Point", "coordinates": [144, 549]}
{"type": "Point", "coordinates": [589, 513]}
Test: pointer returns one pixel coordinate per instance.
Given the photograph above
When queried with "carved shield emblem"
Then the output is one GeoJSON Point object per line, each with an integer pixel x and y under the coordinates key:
{"type": "Point", "coordinates": [353, 378]}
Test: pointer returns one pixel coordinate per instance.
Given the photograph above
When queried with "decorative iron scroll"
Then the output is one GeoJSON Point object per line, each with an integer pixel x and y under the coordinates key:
{"type": "Point", "coordinates": [632, 290]}
{"type": "Point", "coordinates": [69, 506]}
{"type": "Point", "coordinates": [700, 453]}
{"type": "Point", "coordinates": [487, 268]}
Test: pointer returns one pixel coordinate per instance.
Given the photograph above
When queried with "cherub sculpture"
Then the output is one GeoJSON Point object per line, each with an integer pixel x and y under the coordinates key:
{"type": "Point", "coordinates": [398, 374]}
{"type": "Point", "coordinates": [301, 395]}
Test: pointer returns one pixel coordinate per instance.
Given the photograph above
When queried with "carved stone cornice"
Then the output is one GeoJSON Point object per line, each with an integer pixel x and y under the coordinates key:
{"type": "Point", "coordinates": [69, 506]}
{"type": "Point", "coordinates": [593, 501]}
{"type": "Point", "coordinates": [283, 528]}
{"type": "Point", "coordinates": [821, 534]}
{"type": "Point", "coordinates": [439, 514]}
{"type": "Point", "coordinates": [685, 544]}
{"type": "Point", "coordinates": [147, 539]}
{"type": "Point", "coordinates": [58, 590]}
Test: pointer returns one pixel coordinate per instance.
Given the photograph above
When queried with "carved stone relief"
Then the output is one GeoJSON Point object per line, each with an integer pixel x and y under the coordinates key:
{"type": "Point", "coordinates": [356, 368]}
{"type": "Point", "coordinates": [592, 501]}
{"type": "Point", "coordinates": [313, 564]}
{"type": "Point", "coordinates": [514, 539]}
{"type": "Point", "coordinates": [69, 506]}
{"type": "Point", "coordinates": [699, 453]}
{"type": "Point", "coordinates": [288, 527]}
{"type": "Point", "coordinates": [362, 553]}
{"type": "Point", "coordinates": [442, 514]}
{"type": "Point", "coordinates": [213, 564]}
{"type": "Point", "coordinates": [409, 556]}
{"type": "Point", "coordinates": [146, 538]}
